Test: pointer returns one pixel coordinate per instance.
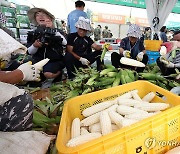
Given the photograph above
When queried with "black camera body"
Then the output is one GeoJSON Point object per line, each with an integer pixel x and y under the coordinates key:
{"type": "Point", "coordinates": [44, 34]}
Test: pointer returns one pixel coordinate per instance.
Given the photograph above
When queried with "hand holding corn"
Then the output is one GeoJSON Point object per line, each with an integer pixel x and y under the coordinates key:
{"type": "Point", "coordinates": [30, 72]}
{"type": "Point", "coordinates": [127, 53]}
{"type": "Point", "coordinates": [105, 49]}
{"type": "Point", "coordinates": [164, 60]}
{"type": "Point", "coordinates": [106, 45]}
{"type": "Point", "coordinates": [84, 61]}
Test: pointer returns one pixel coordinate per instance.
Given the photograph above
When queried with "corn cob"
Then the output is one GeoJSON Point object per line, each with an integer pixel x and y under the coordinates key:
{"type": "Point", "coordinates": [128, 122]}
{"type": "Point", "coordinates": [104, 82]}
{"type": "Point", "coordinates": [75, 129]}
{"type": "Point", "coordinates": [126, 77]}
{"type": "Point", "coordinates": [127, 95]}
{"type": "Point", "coordinates": [149, 97]}
{"type": "Point", "coordinates": [112, 108]}
{"type": "Point", "coordinates": [96, 108]}
{"type": "Point", "coordinates": [41, 63]}
{"type": "Point", "coordinates": [123, 81]}
{"type": "Point", "coordinates": [105, 71]}
{"type": "Point", "coordinates": [84, 131]}
{"type": "Point", "coordinates": [82, 139]}
{"type": "Point", "coordinates": [116, 118]}
{"type": "Point", "coordinates": [136, 96]}
{"type": "Point", "coordinates": [95, 128]}
{"type": "Point", "coordinates": [91, 80]}
{"type": "Point", "coordinates": [105, 122]}
{"type": "Point", "coordinates": [131, 62]}
{"type": "Point", "coordinates": [111, 74]}
{"type": "Point", "coordinates": [108, 66]}
{"type": "Point", "coordinates": [108, 86]}
{"type": "Point", "coordinates": [95, 117]}
{"type": "Point", "coordinates": [152, 107]}
{"type": "Point", "coordinates": [105, 49]}
{"type": "Point", "coordinates": [114, 127]}
{"type": "Point", "coordinates": [117, 80]}
{"type": "Point", "coordinates": [139, 116]}
{"type": "Point", "coordinates": [123, 110]}
{"type": "Point", "coordinates": [91, 119]}
{"type": "Point", "coordinates": [88, 90]}
{"type": "Point", "coordinates": [129, 102]}
{"type": "Point", "coordinates": [151, 76]}
{"type": "Point", "coordinates": [130, 74]}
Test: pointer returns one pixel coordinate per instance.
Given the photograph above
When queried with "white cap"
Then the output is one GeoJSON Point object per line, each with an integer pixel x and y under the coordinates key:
{"type": "Point", "coordinates": [134, 31]}
{"type": "Point", "coordinates": [83, 23]}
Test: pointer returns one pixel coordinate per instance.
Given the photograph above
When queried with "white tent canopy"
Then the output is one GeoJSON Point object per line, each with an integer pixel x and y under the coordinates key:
{"type": "Point", "coordinates": [158, 11]}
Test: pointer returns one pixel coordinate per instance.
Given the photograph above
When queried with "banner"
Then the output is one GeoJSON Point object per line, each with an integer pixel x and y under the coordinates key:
{"type": "Point", "coordinates": [119, 19]}
{"type": "Point", "coordinates": [109, 18]}
{"type": "Point", "coordinates": [135, 3]}
{"type": "Point", "coordinates": [142, 22]}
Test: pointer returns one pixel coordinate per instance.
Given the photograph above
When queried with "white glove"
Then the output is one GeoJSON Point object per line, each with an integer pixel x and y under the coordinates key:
{"type": "Point", "coordinates": [30, 72]}
{"type": "Point", "coordinates": [140, 56]}
{"type": "Point", "coordinates": [126, 53]}
{"type": "Point", "coordinates": [84, 61]}
{"type": "Point", "coordinates": [170, 65]}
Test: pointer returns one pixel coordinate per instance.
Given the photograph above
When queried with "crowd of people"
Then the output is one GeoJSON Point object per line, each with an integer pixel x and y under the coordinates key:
{"type": "Point", "coordinates": [99, 33]}
{"type": "Point", "coordinates": [65, 49]}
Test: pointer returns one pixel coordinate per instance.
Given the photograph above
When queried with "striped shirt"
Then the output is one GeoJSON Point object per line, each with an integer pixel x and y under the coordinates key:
{"type": "Point", "coordinates": [175, 60]}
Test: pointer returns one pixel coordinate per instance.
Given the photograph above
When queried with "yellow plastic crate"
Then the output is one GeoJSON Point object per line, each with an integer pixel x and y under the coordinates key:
{"type": "Point", "coordinates": [163, 127]}
{"type": "Point", "coordinates": [152, 45]}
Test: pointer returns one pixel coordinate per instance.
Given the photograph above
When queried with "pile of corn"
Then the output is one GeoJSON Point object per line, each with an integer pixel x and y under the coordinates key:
{"type": "Point", "coordinates": [47, 112]}
{"type": "Point", "coordinates": [153, 74]}
{"type": "Point", "coordinates": [106, 117]}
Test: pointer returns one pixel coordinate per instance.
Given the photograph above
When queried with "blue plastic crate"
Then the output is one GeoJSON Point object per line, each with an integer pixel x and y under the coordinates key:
{"type": "Point", "coordinates": [152, 56]}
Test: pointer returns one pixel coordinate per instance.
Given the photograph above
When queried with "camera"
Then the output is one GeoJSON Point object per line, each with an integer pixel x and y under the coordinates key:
{"type": "Point", "coordinates": [44, 34]}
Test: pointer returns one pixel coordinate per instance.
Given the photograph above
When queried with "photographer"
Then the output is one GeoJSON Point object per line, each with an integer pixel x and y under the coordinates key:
{"type": "Point", "coordinates": [46, 42]}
